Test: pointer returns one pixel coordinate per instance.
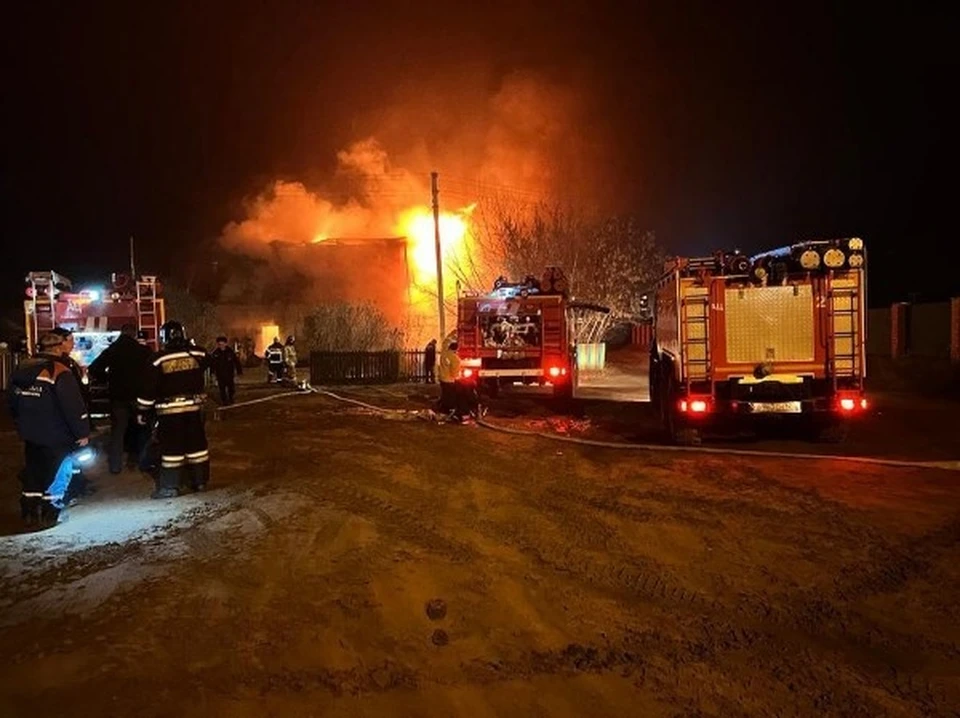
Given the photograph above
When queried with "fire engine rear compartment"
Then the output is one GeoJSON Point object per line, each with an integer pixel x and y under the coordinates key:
{"type": "Point", "coordinates": [732, 353]}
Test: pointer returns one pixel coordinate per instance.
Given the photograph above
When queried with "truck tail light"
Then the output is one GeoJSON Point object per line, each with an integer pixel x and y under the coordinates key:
{"type": "Point", "coordinates": [557, 371]}
{"type": "Point", "coordinates": [694, 406]}
{"type": "Point", "coordinates": [850, 404]}
{"type": "Point", "coordinates": [466, 373]}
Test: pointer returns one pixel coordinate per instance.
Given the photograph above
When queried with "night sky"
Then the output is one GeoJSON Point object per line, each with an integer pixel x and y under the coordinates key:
{"type": "Point", "coordinates": [746, 128]}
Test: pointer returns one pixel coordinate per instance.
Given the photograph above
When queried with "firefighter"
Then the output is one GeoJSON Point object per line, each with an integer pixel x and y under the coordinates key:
{"type": "Point", "coordinates": [174, 389]}
{"type": "Point", "coordinates": [121, 366]}
{"type": "Point", "coordinates": [449, 375]}
{"type": "Point", "coordinates": [430, 362]}
{"type": "Point", "coordinates": [275, 361]}
{"type": "Point", "coordinates": [290, 358]}
{"type": "Point", "coordinates": [79, 484]}
{"type": "Point", "coordinates": [226, 366]}
{"type": "Point", "coordinates": [52, 420]}
{"type": "Point", "coordinates": [66, 356]}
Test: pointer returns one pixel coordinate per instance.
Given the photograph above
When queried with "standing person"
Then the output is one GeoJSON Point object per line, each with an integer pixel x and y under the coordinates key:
{"type": "Point", "coordinates": [290, 358]}
{"type": "Point", "coordinates": [79, 484]}
{"type": "Point", "coordinates": [66, 356]}
{"type": "Point", "coordinates": [430, 361]}
{"type": "Point", "coordinates": [121, 366]}
{"type": "Point", "coordinates": [448, 374]}
{"type": "Point", "coordinates": [226, 365]}
{"type": "Point", "coordinates": [174, 388]}
{"type": "Point", "coordinates": [274, 357]}
{"type": "Point", "coordinates": [52, 420]}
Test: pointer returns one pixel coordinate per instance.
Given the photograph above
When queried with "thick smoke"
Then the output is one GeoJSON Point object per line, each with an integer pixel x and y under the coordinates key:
{"type": "Point", "coordinates": [526, 140]}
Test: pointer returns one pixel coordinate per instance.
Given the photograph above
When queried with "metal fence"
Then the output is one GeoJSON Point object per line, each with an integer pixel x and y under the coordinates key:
{"type": "Point", "coordinates": [385, 367]}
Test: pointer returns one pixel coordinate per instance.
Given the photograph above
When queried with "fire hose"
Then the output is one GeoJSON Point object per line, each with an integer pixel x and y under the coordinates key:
{"type": "Point", "coordinates": [754, 453]}
{"type": "Point", "coordinates": [483, 422]}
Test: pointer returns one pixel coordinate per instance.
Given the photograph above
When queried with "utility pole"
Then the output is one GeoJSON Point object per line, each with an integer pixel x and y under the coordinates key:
{"type": "Point", "coordinates": [435, 191]}
{"type": "Point", "coordinates": [133, 264]}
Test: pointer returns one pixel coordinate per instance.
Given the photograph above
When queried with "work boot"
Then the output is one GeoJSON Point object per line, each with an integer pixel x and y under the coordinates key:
{"type": "Point", "coordinates": [165, 492]}
{"type": "Point", "coordinates": [49, 515]}
{"type": "Point", "coordinates": [30, 508]}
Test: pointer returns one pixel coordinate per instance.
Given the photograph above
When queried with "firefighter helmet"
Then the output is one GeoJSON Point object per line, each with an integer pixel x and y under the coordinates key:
{"type": "Point", "coordinates": [173, 332]}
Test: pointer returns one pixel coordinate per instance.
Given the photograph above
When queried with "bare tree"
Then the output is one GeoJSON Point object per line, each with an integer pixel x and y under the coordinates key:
{"type": "Point", "coordinates": [199, 317]}
{"type": "Point", "coordinates": [347, 327]}
{"type": "Point", "coordinates": [607, 260]}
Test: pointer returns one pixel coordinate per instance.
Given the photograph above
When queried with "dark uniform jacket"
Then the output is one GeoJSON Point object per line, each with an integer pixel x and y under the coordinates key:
{"type": "Point", "coordinates": [46, 403]}
{"type": "Point", "coordinates": [122, 365]}
{"type": "Point", "coordinates": [175, 380]}
{"type": "Point", "coordinates": [274, 354]}
{"type": "Point", "coordinates": [225, 363]}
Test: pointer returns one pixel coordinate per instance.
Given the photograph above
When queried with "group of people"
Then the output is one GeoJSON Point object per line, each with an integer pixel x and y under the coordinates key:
{"type": "Point", "coordinates": [281, 361]}
{"type": "Point", "coordinates": [152, 395]}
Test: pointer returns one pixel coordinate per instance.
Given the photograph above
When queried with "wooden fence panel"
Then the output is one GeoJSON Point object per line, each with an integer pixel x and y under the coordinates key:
{"type": "Point", "coordinates": [386, 367]}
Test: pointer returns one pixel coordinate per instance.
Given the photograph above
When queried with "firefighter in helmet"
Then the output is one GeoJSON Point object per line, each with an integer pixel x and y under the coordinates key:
{"type": "Point", "coordinates": [274, 354]}
{"type": "Point", "coordinates": [174, 389]}
{"type": "Point", "coordinates": [290, 358]}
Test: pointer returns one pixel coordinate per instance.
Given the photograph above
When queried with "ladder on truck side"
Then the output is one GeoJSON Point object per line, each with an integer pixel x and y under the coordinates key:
{"type": "Point", "coordinates": [43, 304]}
{"type": "Point", "coordinates": [695, 335]}
{"type": "Point", "coordinates": [149, 310]}
{"type": "Point", "coordinates": [845, 319]}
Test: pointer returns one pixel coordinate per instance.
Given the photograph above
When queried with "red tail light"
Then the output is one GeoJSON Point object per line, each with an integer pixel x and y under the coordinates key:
{"type": "Point", "coordinates": [466, 373]}
{"type": "Point", "coordinates": [850, 404]}
{"type": "Point", "coordinates": [694, 406]}
{"type": "Point", "coordinates": [555, 372]}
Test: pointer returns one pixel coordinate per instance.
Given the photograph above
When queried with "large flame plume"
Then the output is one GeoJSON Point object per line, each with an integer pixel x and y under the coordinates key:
{"type": "Point", "coordinates": [521, 141]}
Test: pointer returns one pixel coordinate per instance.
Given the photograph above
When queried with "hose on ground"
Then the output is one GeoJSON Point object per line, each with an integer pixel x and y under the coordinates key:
{"type": "Point", "coordinates": [871, 460]}
{"type": "Point", "coordinates": [949, 465]}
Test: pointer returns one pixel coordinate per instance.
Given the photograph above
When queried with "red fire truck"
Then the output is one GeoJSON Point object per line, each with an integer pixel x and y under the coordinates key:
{"type": "Point", "coordinates": [780, 335]}
{"type": "Point", "coordinates": [95, 314]}
{"type": "Point", "coordinates": [519, 333]}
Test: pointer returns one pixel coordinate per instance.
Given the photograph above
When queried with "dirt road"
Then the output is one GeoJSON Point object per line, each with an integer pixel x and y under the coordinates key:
{"type": "Point", "coordinates": [569, 581]}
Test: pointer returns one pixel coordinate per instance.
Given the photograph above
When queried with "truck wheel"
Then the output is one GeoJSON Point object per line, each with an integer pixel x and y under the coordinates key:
{"type": "Point", "coordinates": [687, 436]}
{"type": "Point", "coordinates": [493, 388]}
{"type": "Point", "coordinates": [832, 433]}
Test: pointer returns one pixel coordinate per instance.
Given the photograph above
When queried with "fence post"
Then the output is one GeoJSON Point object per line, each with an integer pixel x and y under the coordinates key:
{"type": "Point", "coordinates": [898, 329]}
{"type": "Point", "coordinates": [955, 329]}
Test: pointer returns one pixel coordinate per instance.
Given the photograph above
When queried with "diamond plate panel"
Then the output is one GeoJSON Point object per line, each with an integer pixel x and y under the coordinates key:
{"type": "Point", "coordinates": [769, 324]}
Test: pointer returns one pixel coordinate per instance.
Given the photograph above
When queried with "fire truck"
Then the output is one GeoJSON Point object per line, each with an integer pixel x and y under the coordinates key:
{"type": "Point", "coordinates": [519, 333]}
{"type": "Point", "coordinates": [95, 315]}
{"type": "Point", "coordinates": [779, 336]}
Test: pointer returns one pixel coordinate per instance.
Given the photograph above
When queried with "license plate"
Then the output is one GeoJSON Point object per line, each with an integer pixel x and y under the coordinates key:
{"type": "Point", "coordinates": [775, 407]}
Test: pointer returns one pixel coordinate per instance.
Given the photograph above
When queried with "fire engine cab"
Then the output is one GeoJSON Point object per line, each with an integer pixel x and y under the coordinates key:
{"type": "Point", "coordinates": [518, 333]}
{"type": "Point", "coordinates": [780, 335]}
{"type": "Point", "coordinates": [95, 315]}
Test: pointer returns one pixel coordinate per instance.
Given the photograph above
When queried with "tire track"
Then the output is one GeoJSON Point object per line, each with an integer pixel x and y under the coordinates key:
{"type": "Point", "coordinates": [405, 524]}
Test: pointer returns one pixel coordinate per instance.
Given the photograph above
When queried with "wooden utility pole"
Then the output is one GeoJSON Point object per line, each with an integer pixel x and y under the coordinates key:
{"type": "Point", "coordinates": [435, 191]}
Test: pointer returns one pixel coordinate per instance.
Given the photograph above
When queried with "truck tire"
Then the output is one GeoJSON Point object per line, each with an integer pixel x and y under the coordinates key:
{"type": "Point", "coordinates": [832, 433]}
{"type": "Point", "coordinates": [492, 388]}
{"type": "Point", "coordinates": [677, 433]}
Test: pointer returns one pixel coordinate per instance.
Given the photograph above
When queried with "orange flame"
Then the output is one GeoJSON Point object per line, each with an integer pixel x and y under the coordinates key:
{"type": "Point", "coordinates": [417, 225]}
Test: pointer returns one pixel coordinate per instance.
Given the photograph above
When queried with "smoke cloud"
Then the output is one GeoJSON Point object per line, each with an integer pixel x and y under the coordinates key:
{"type": "Point", "coordinates": [523, 138]}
